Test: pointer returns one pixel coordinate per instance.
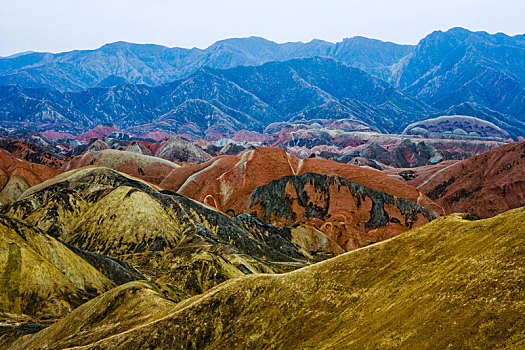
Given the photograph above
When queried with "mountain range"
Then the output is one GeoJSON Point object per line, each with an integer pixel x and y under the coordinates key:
{"type": "Point", "coordinates": [122, 62]}
{"type": "Point", "coordinates": [250, 83]}
{"type": "Point", "coordinates": [215, 103]}
{"type": "Point", "coordinates": [256, 195]}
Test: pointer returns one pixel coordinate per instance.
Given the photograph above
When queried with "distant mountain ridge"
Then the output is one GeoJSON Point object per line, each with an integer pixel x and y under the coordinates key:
{"type": "Point", "coordinates": [175, 89]}
{"type": "Point", "coordinates": [450, 68]}
{"type": "Point", "coordinates": [155, 64]}
{"type": "Point", "coordinates": [214, 103]}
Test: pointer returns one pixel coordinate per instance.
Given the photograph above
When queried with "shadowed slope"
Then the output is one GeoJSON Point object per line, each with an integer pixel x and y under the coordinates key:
{"type": "Point", "coordinates": [451, 283]}
{"type": "Point", "coordinates": [120, 309]}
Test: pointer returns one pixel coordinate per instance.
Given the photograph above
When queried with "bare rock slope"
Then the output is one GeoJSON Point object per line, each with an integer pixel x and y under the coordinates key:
{"type": "Point", "coordinates": [485, 185]}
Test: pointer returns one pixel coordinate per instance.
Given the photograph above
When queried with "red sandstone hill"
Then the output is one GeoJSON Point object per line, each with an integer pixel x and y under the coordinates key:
{"type": "Point", "coordinates": [353, 206]}
{"type": "Point", "coordinates": [34, 153]}
{"type": "Point", "coordinates": [18, 175]}
{"type": "Point", "coordinates": [485, 185]}
{"type": "Point", "coordinates": [228, 184]}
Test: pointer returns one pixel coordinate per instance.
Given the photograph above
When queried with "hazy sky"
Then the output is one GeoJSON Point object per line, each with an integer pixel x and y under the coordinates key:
{"type": "Point", "coordinates": [61, 25]}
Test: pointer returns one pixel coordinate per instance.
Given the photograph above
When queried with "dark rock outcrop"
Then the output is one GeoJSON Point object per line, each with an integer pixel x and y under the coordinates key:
{"type": "Point", "coordinates": [351, 214]}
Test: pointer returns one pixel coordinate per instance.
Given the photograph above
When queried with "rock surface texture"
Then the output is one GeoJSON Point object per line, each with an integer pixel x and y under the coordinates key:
{"type": "Point", "coordinates": [351, 214]}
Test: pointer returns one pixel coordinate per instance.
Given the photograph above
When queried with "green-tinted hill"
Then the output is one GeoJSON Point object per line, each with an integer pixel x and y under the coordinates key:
{"type": "Point", "coordinates": [40, 276]}
{"type": "Point", "coordinates": [43, 278]}
{"type": "Point", "coordinates": [453, 283]}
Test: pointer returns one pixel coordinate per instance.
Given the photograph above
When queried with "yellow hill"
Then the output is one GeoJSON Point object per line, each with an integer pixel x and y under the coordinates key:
{"type": "Point", "coordinates": [452, 283]}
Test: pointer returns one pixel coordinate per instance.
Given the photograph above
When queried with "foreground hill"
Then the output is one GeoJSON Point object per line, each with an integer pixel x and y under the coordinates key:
{"type": "Point", "coordinates": [192, 247]}
{"type": "Point", "coordinates": [41, 276]}
{"type": "Point", "coordinates": [44, 278]}
{"type": "Point", "coordinates": [452, 283]}
{"type": "Point", "coordinates": [485, 185]}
